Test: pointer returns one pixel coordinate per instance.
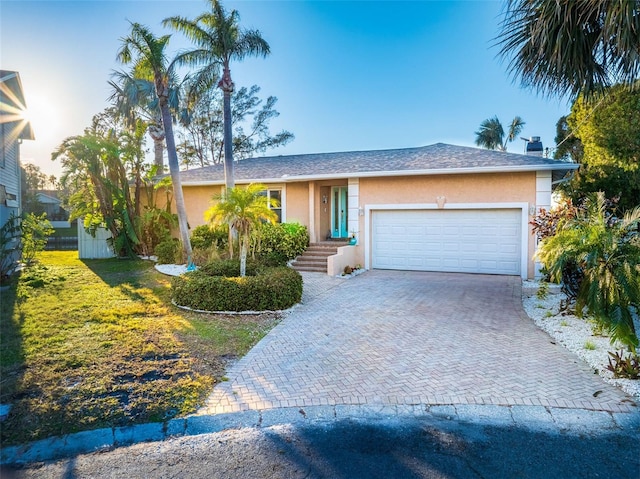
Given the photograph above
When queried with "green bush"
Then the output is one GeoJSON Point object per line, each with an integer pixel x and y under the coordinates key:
{"type": "Point", "coordinates": [273, 259]}
{"type": "Point", "coordinates": [204, 236]}
{"type": "Point", "coordinates": [203, 256]}
{"type": "Point", "coordinates": [286, 239]}
{"type": "Point", "coordinates": [270, 289]}
{"type": "Point", "coordinates": [167, 251]}
{"type": "Point", "coordinates": [606, 252]}
{"type": "Point", "coordinates": [229, 268]}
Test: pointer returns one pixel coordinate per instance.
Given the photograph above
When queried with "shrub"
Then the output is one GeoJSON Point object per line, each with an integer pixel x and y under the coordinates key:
{"type": "Point", "coordinates": [204, 236]}
{"type": "Point", "coordinates": [228, 268]}
{"type": "Point", "coordinates": [271, 289]}
{"type": "Point", "coordinates": [273, 258]}
{"type": "Point", "coordinates": [287, 239]}
{"type": "Point", "coordinates": [606, 251]}
{"type": "Point", "coordinates": [35, 232]}
{"type": "Point", "coordinates": [202, 256]}
{"type": "Point", "coordinates": [154, 227]}
{"type": "Point", "coordinates": [167, 251]}
{"type": "Point", "coordinates": [624, 366]}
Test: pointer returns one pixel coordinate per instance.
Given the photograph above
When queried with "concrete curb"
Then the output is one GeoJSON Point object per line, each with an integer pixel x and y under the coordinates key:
{"type": "Point", "coordinates": [536, 418]}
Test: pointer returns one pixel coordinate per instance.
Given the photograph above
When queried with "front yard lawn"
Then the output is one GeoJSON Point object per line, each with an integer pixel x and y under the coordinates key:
{"type": "Point", "coordinates": [90, 344]}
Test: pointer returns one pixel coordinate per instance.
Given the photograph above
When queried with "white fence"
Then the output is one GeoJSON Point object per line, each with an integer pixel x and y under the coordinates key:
{"type": "Point", "coordinates": [97, 247]}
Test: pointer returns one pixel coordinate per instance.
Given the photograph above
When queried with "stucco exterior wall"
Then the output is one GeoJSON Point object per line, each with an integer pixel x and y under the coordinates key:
{"type": "Point", "coordinates": [473, 188]}
{"type": "Point", "coordinates": [304, 200]}
{"type": "Point", "coordinates": [297, 203]}
{"type": "Point", "coordinates": [198, 200]}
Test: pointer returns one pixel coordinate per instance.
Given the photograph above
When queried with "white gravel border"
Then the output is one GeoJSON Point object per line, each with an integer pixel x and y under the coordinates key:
{"type": "Point", "coordinates": [573, 332]}
{"type": "Point", "coordinates": [172, 269]}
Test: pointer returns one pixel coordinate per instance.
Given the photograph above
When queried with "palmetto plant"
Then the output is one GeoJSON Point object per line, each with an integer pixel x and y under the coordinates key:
{"type": "Point", "coordinates": [491, 133]}
{"type": "Point", "coordinates": [218, 39]}
{"type": "Point", "coordinates": [243, 209]}
{"type": "Point", "coordinates": [607, 251]}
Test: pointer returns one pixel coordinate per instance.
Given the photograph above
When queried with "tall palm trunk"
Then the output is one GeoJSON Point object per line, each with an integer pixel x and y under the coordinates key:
{"type": "Point", "coordinates": [174, 169]}
{"type": "Point", "coordinates": [226, 84]}
{"type": "Point", "coordinates": [157, 134]}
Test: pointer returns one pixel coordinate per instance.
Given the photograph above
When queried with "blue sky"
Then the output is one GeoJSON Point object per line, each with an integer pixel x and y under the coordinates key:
{"type": "Point", "coordinates": [348, 75]}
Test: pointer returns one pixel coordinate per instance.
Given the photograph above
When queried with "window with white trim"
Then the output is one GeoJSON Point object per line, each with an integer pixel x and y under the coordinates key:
{"type": "Point", "coordinates": [276, 195]}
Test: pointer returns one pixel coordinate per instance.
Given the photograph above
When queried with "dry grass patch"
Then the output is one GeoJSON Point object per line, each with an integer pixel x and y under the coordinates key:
{"type": "Point", "coordinates": [96, 344]}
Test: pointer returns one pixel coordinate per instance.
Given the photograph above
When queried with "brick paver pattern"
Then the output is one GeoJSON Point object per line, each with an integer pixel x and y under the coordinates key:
{"type": "Point", "coordinates": [397, 338]}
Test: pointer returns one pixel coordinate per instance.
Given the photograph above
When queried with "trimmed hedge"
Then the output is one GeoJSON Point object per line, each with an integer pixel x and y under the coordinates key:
{"type": "Point", "coordinates": [270, 289]}
{"type": "Point", "coordinates": [229, 268]}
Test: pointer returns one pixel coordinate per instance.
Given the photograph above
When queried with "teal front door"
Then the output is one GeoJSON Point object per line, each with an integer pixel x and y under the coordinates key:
{"type": "Point", "coordinates": [339, 212]}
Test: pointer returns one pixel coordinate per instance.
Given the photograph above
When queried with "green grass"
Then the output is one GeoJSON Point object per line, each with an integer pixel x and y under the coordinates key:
{"type": "Point", "coordinates": [590, 345]}
{"type": "Point", "coordinates": [93, 344]}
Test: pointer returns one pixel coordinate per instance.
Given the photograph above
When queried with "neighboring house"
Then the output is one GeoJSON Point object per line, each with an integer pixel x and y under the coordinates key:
{"type": "Point", "coordinates": [433, 208]}
{"type": "Point", "coordinates": [13, 129]}
{"type": "Point", "coordinates": [50, 204]}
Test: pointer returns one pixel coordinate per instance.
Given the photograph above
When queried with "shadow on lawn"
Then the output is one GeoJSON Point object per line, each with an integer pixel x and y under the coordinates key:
{"type": "Point", "coordinates": [118, 271]}
{"type": "Point", "coordinates": [11, 346]}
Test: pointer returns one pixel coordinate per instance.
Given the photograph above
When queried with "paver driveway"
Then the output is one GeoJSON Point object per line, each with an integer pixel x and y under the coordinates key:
{"type": "Point", "coordinates": [393, 338]}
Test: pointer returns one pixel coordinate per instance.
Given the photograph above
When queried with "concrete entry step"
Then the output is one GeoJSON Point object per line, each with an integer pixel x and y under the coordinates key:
{"type": "Point", "coordinates": [314, 259]}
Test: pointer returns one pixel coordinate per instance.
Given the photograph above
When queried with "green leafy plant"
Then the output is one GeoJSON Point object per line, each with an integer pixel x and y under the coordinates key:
{"type": "Point", "coordinates": [243, 209]}
{"type": "Point", "coordinates": [35, 230]}
{"type": "Point", "coordinates": [287, 240]}
{"type": "Point", "coordinates": [624, 366]}
{"type": "Point", "coordinates": [270, 289]}
{"type": "Point", "coordinates": [155, 227]}
{"type": "Point", "coordinates": [204, 236]}
{"type": "Point", "coordinates": [543, 290]}
{"type": "Point", "coordinates": [229, 268]}
{"type": "Point", "coordinates": [590, 345]}
{"type": "Point", "coordinates": [167, 251]}
{"type": "Point", "coordinates": [607, 253]}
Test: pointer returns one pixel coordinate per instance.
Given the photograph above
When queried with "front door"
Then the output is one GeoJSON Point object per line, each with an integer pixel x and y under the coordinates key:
{"type": "Point", "coordinates": [339, 212]}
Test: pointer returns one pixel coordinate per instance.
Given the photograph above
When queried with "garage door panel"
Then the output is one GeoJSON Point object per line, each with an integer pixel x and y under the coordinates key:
{"type": "Point", "coordinates": [472, 241]}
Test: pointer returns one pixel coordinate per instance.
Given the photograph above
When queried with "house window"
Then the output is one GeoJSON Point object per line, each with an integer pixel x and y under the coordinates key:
{"type": "Point", "coordinates": [275, 194]}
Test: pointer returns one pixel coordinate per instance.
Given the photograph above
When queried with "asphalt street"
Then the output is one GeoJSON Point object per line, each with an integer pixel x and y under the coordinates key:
{"type": "Point", "coordinates": [385, 448]}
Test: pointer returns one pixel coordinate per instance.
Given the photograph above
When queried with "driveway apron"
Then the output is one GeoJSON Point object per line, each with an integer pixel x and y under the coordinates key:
{"type": "Point", "coordinates": [396, 338]}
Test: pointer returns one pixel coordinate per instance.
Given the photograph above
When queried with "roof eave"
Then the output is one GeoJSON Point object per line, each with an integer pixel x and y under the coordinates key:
{"type": "Point", "coordinates": [374, 174]}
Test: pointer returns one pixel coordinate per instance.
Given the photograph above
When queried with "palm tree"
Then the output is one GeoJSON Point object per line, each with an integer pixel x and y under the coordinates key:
{"type": "Point", "coordinates": [93, 168]}
{"type": "Point", "coordinates": [607, 253]}
{"type": "Point", "coordinates": [243, 209]}
{"type": "Point", "coordinates": [148, 55]}
{"type": "Point", "coordinates": [568, 47]}
{"type": "Point", "coordinates": [219, 39]}
{"type": "Point", "coordinates": [491, 133]}
{"type": "Point", "coordinates": [134, 98]}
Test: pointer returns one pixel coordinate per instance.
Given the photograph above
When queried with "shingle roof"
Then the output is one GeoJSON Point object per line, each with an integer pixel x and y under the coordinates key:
{"type": "Point", "coordinates": [439, 158]}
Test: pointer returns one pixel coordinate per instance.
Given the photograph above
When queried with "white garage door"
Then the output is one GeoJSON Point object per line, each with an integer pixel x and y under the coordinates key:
{"type": "Point", "coordinates": [465, 241]}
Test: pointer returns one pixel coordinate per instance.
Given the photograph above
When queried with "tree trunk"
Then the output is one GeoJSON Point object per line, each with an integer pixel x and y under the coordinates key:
{"type": "Point", "coordinates": [174, 169]}
{"type": "Point", "coordinates": [243, 255]}
{"type": "Point", "coordinates": [227, 88]}
{"type": "Point", "coordinates": [157, 134]}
